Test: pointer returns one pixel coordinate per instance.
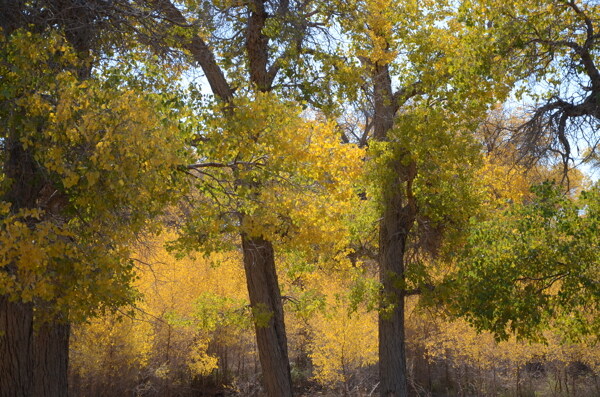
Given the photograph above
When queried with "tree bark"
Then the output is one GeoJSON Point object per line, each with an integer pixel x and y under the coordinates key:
{"type": "Point", "coordinates": [16, 364]}
{"type": "Point", "coordinates": [16, 316]}
{"type": "Point", "coordinates": [257, 47]}
{"type": "Point", "coordinates": [398, 218]}
{"type": "Point", "coordinates": [200, 51]}
{"type": "Point", "coordinates": [51, 360]}
{"type": "Point", "coordinates": [267, 308]}
{"type": "Point", "coordinates": [259, 261]}
{"type": "Point", "coordinates": [31, 364]}
{"type": "Point", "coordinates": [393, 233]}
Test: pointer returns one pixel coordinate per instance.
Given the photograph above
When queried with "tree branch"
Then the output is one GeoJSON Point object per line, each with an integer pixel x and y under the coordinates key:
{"type": "Point", "coordinates": [224, 165]}
{"type": "Point", "coordinates": [402, 95]}
{"type": "Point", "coordinates": [200, 52]}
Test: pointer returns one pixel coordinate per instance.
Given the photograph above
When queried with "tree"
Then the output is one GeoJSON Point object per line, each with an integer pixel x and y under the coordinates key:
{"type": "Point", "coordinates": [422, 149]}
{"type": "Point", "coordinates": [268, 173]}
{"type": "Point", "coordinates": [553, 46]}
{"type": "Point", "coordinates": [272, 38]}
{"type": "Point", "coordinates": [534, 265]}
{"type": "Point", "coordinates": [85, 166]}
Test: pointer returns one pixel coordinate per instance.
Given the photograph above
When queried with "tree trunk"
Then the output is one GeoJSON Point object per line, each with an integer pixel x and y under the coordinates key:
{"type": "Point", "coordinates": [16, 364]}
{"type": "Point", "coordinates": [398, 218]}
{"type": "Point", "coordinates": [51, 354]}
{"type": "Point", "coordinates": [16, 317]}
{"type": "Point", "coordinates": [392, 348]}
{"type": "Point", "coordinates": [267, 309]}
{"type": "Point", "coordinates": [259, 262]}
{"type": "Point", "coordinates": [35, 364]}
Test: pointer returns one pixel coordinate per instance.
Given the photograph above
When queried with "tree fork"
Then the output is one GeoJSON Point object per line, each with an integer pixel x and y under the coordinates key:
{"type": "Point", "coordinates": [397, 221]}
{"type": "Point", "coordinates": [259, 261]}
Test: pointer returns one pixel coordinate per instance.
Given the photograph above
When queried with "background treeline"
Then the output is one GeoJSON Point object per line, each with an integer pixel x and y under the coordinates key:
{"type": "Point", "coordinates": [192, 335]}
{"type": "Point", "coordinates": [299, 196]}
{"type": "Point", "coordinates": [191, 331]}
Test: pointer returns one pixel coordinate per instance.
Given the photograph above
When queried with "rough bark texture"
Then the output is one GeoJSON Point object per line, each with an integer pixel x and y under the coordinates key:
{"type": "Point", "coordinates": [259, 261]}
{"type": "Point", "coordinates": [393, 233]}
{"type": "Point", "coordinates": [200, 51]}
{"type": "Point", "coordinates": [16, 364]}
{"type": "Point", "coordinates": [257, 47]}
{"type": "Point", "coordinates": [51, 360]}
{"type": "Point", "coordinates": [385, 106]}
{"type": "Point", "coordinates": [16, 317]}
{"type": "Point", "coordinates": [398, 218]}
{"type": "Point", "coordinates": [265, 299]}
{"type": "Point", "coordinates": [30, 365]}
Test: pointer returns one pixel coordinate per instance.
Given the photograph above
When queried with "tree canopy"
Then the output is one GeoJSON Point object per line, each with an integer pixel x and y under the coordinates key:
{"type": "Point", "coordinates": [304, 191]}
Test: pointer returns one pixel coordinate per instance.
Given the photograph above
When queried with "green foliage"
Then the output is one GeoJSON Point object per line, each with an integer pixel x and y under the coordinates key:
{"type": "Point", "coordinates": [364, 290]}
{"type": "Point", "coordinates": [214, 310]}
{"type": "Point", "coordinates": [532, 265]}
{"type": "Point", "coordinates": [446, 160]}
{"type": "Point", "coordinates": [262, 315]}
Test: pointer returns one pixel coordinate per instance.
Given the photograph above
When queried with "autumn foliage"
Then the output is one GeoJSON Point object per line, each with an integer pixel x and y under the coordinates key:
{"type": "Point", "coordinates": [299, 198]}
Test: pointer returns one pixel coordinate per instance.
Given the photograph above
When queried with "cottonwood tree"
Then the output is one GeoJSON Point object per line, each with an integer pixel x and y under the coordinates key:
{"type": "Point", "coordinates": [553, 46]}
{"type": "Point", "coordinates": [532, 266]}
{"type": "Point", "coordinates": [268, 173]}
{"type": "Point", "coordinates": [87, 156]}
{"type": "Point", "coordinates": [419, 65]}
{"type": "Point", "coordinates": [259, 144]}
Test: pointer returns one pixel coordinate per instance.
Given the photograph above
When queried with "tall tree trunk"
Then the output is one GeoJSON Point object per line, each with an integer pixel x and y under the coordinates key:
{"type": "Point", "coordinates": [395, 225]}
{"type": "Point", "coordinates": [51, 359]}
{"type": "Point", "coordinates": [267, 308]}
{"type": "Point", "coordinates": [36, 361]}
{"type": "Point", "coordinates": [259, 261]}
{"type": "Point", "coordinates": [393, 233]}
{"type": "Point", "coordinates": [16, 316]}
{"type": "Point", "coordinates": [16, 364]}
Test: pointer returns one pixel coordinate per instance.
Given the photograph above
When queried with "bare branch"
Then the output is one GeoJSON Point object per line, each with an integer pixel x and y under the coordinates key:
{"type": "Point", "coordinates": [200, 51]}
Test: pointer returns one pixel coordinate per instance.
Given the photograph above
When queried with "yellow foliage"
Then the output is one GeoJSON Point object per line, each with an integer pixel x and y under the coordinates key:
{"type": "Point", "coordinates": [286, 175]}
{"type": "Point", "coordinates": [459, 342]}
{"type": "Point", "coordinates": [342, 338]}
{"type": "Point", "coordinates": [178, 326]}
{"type": "Point", "coordinates": [111, 345]}
{"type": "Point", "coordinates": [342, 342]}
{"type": "Point", "coordinates": [200, 362]}
{"type": "Point", "coordinates": [89, 140]}
{"type": "Point", "coordinates": [504, 182]}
